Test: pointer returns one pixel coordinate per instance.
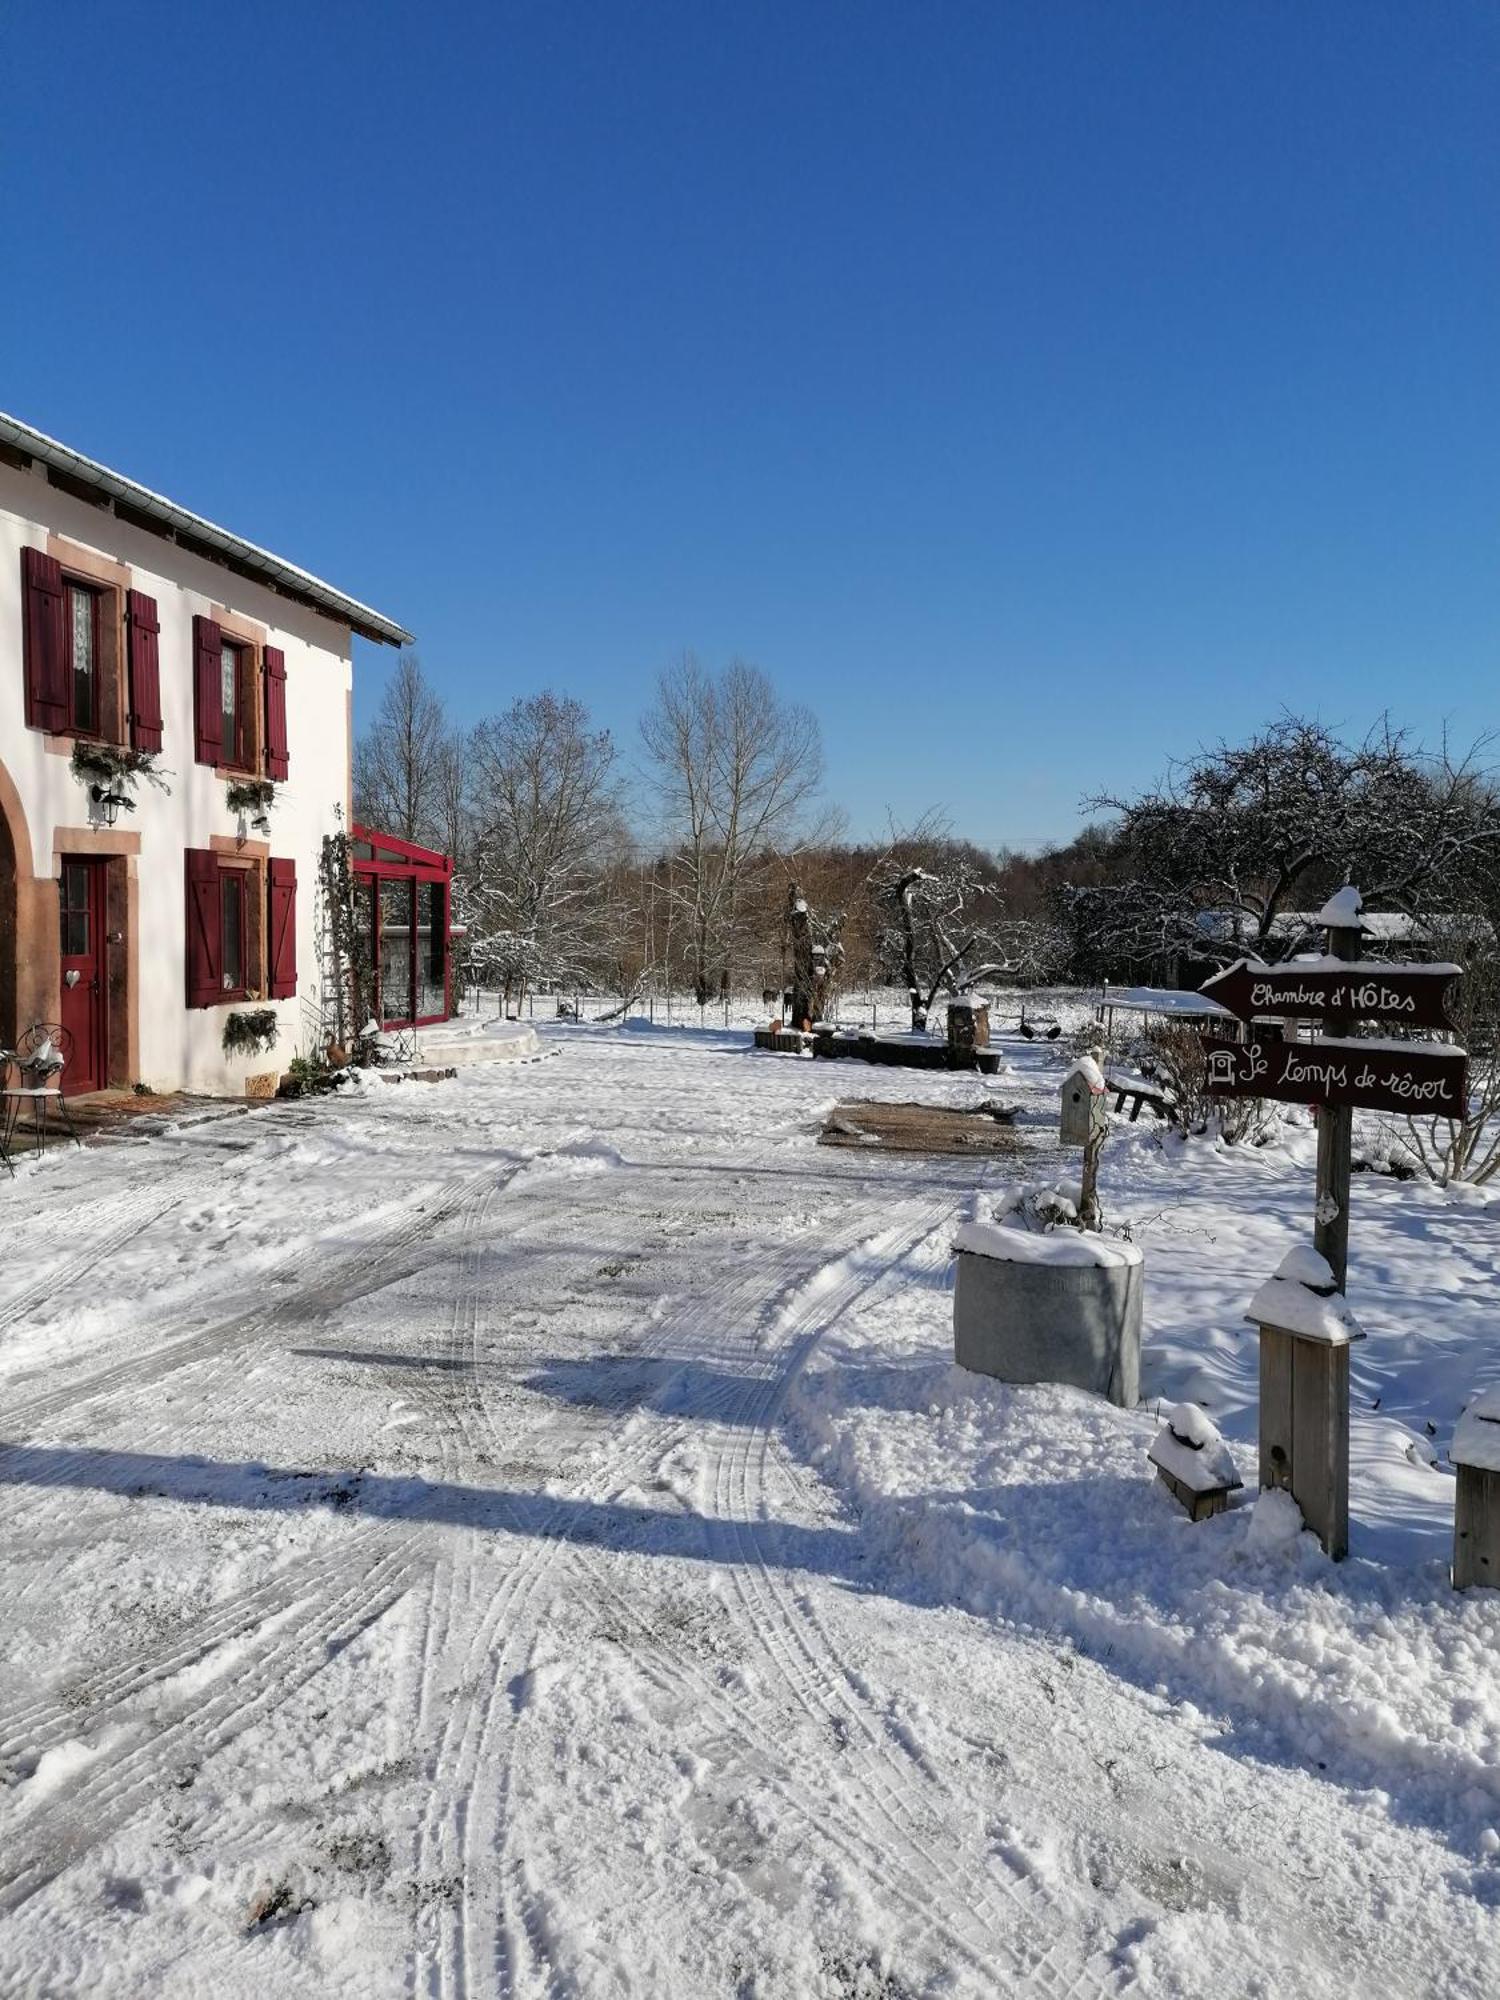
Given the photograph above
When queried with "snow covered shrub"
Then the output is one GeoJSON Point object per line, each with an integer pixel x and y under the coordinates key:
{"type": "Point", "coordinates": [1466, 1149]}
{"type": "Point", "coordinates": [1121, 1043]}
{"type": "Point", "coordinates": [1181, 1068]}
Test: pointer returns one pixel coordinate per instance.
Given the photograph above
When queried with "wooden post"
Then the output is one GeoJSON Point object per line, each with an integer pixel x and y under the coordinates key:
{"type": "Point", "coordinates": [1476, 1511]}
{"type": "Point", "coordinates": [1336, 1143]}
{"type": "Point", "coordinates": [1304, 1429]}
{"type": "Point", "coordinates": [1476, 1529]}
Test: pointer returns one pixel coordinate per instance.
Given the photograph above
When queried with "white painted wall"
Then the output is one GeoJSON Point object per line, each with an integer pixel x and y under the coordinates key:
{"type": "Point", "coordinates": [180, 1047]}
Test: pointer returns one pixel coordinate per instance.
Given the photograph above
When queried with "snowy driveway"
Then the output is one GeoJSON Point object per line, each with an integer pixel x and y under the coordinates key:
{"type": "Point", "coordinates": [431, 1565]}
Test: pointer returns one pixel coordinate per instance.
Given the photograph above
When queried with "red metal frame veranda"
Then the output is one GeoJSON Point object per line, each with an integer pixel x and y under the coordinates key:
{"type": "Point", "coordinates": [378, 859]}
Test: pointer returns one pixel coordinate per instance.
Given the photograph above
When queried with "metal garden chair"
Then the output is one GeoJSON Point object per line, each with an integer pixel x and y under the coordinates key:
{"type": "Point", "coordinates": [39, 1059]}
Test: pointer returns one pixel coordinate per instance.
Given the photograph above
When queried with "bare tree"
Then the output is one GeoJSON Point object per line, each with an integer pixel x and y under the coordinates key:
{"type": "Point", "coordinates": [1218, 861]}
{"type": "Point", "coordinates": [734, 768]}
{"type": "Point", "coordinates": [398, 784]}
{"type": "Point", "coordinates": [547, 829]}
{"type": "Point", "coordinates": [942, 905]}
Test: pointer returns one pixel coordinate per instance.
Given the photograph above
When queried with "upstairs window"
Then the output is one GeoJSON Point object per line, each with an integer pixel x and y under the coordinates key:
{"type": "Point", "coordinates": [81, 627]}
{"type": "Point", "coordinates": [71, 649]}
{"type": "Point", "coordinates": [232, 704]}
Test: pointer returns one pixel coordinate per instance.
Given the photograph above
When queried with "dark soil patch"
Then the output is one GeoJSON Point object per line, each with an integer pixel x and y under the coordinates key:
{"type": "Point", "coordinates": [921, 1128]}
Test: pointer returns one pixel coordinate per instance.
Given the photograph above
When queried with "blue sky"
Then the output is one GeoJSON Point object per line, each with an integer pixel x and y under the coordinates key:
{"type": "Point", "coordinates": [1037, 390]}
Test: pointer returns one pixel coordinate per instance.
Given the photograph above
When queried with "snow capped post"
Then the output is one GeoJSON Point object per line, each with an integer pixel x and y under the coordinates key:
{"type": "Point", "coordinates": [1476, 1515]}
{"type": "Point", "coordinates": [1305, 1330]}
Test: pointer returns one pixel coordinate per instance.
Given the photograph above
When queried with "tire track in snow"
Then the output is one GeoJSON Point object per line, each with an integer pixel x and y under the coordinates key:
{"type": "Point", "coordinates": [869, 1855]}
{"type": "Point", "coordinates": [457, 1839]}
{"type": "Point", "coordinates": [34, 1725]}
{"type": "Point", "coordinates": [127, 1215]}
{"type": "Point", "coordinates": [801, 1653]}
{"type": "Point", "coordinates": [137, 1750]}
{"type": "Point", "coordinates": [922, 1885]}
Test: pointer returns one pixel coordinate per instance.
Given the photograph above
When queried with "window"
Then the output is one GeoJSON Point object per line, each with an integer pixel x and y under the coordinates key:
{"type": "Point", "coordinates": [241, 929]}
{"type": "Point", "coordinates": [232, 704]}
{"type": "Point", "coordinates": [73, 909]}
{"type": "Point", "coordinates": [233, 931]}
{"type": "Point", "coordinates": [432, 944]}
{"type": "Point", "coordinates": [81, 630]}
{"type": "Point", "coordinates": [395, 948]}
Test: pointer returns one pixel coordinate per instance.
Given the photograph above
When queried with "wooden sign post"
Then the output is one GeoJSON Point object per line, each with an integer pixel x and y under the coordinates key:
{"type": "Point", "coordinates": [1304, 1406]}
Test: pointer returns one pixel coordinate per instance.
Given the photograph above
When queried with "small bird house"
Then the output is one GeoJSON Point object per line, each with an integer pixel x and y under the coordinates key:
{"type": "Point", "coordinates": [1475, 1453]}
{"type": "Point", "coordinates": [1193, 1462]}
{"type": "Point", "coordinates": [1084, 1108]}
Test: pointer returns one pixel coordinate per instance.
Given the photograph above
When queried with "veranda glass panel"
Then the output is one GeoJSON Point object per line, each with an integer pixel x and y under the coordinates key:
{"type": "Point", "coordinates": [395, 948]}
{"type": "Point", "coordinates": [430, 953]}
{"type": "Point", "coordinates": [364, 949]}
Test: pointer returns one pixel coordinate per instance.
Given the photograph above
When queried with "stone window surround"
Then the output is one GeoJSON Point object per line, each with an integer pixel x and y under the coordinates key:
{"type": "Point", "coordinates": [111, 579]}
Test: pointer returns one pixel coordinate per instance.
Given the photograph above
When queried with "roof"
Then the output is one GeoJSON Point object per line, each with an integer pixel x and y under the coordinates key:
{"type": "Point", "coordinates": [1163, 1000]}
{"type": "Point", "coordinates": [1389, 926]}
{"type": "Point", "coordinates": [386, 848]}
{"type": "Point", "coordinates": [85, 479]}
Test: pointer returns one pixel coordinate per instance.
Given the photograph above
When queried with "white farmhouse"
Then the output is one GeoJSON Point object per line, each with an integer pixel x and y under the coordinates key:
{"type": "Point", "coordinates": [128, 623]}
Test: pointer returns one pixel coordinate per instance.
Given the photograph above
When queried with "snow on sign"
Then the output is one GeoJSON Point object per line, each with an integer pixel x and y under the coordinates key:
{"type": "Point", "coordinates": [1365, 1075]}
{"type": "Point", "coordinates": [1317, 988]}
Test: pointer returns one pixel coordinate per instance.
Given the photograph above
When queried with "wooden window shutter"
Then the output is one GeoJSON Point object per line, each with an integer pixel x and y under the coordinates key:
{"type": "Point", "coordinates": [43, 645]}
{"type": "Point", "coordinates": [145, 671]}
{"type": "Point", "coordinates": [277, 762]}
{"type": "Point", "coordinates": [282, 884]}
{"type": "Point", "coordinates": [205, 941]}
{"type": "Point", "coordinates": [208, 692]}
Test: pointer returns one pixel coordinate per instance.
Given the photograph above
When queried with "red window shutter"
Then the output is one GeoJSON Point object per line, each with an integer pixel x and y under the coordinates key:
{"type": "Point", "coordinates": [208, 692]}
{"type": "Point", "coordinates": [205, 941]}
{"type": "Point", "coordinates": [145, 671]}
{"type": "Point", "coordinates": [277, 763]}
{"type": "Point", "coordinates": [282, 883]}
{"type": "Point", "coordinates": [43, 644]}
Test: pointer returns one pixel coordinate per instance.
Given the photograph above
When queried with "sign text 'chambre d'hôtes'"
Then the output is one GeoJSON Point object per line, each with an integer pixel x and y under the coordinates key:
{"type": "Point", "coordinates": [1410, 994]}
{"type": "Point", "coordinates": [1366, 1075]}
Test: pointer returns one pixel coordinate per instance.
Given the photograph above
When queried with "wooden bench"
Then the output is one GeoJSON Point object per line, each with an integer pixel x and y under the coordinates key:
{"type": "Point", "coordinates": [1140, 1092]}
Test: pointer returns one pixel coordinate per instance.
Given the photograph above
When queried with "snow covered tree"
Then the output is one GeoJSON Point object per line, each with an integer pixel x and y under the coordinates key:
{"type": "Point", "coordinates": [547, 829]}
{"type": "Point", "coordinates": [1256, 832]}
{"type": "Point", "coordinates": [942, 907]}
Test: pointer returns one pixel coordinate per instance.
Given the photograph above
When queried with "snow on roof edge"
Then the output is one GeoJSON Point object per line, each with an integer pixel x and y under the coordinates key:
{"type": "Point", "coordinates": [363, 618]}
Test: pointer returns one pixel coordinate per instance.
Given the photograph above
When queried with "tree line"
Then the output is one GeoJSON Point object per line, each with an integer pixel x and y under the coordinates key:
{"type": "Point", "coordinates": [715, 866]}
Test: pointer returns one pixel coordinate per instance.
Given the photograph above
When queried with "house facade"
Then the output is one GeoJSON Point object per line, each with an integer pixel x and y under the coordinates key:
{"type": "Point", "coordinates": [176, 738]}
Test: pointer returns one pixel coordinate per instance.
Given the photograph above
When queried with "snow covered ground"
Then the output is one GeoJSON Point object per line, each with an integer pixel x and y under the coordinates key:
{"type": "Point", "coordinates": [525, 1535]}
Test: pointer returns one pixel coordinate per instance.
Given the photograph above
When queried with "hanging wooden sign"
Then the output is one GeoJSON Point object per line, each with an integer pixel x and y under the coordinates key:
{"type": "Point", "coordinates": [1416, 1077]}
{"type": "Point", "coordinates": [1411, 994]}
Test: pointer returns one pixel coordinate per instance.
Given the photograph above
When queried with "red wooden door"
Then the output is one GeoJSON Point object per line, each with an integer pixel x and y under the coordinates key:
{"type": "Point", "coordinates": [85, 995]}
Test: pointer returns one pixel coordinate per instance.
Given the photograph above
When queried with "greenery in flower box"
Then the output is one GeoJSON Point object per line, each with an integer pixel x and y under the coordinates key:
{"type": "Point", "coordinates": [250, 795]}
{"type": "Point", "coordinates": [250, 1032]}
{"type": "Point", "coordinates": [116, 767]}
